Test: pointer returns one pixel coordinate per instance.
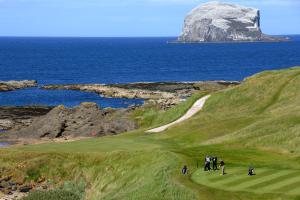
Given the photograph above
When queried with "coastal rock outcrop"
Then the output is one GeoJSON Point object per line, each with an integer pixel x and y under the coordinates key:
{"type": "Point", "coordinates": [114, 91]}
{"type": "Point", "coordinates": [14, 85]}
{"type": "Point", "coordinates": [166, 94]}
{"type": "Point", "coordinates": [85, 120]}
{"type": "Point", "coordinates": [223, 22]}
{"type": "Point", "coordinates": [6, 124]}
{"type": "Point", "coordinates": [20, 116]}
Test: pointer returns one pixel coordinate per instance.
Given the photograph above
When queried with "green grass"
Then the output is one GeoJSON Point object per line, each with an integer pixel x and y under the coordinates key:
{"type": "Point", "coordinates": [266, 180]}
{"type": "Point", "coordinates": [52, 195]}
{"type": "Point", "coordinates": [264, 111]}
{"type": "Point", "coordinates": [254, 124]}
{"type": "Point", "coordinates": [151, 116]}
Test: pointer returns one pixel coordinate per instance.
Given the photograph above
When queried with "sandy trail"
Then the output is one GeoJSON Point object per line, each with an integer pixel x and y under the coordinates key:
{"type": "Point", "coordinates": [197, 106]}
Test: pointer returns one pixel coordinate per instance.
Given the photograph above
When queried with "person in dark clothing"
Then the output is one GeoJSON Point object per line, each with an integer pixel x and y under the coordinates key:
{"type": "Point", "coordinates": [251, 171]}
{"type": "Point", "coordinates": [215, 163]}
{"type": "Point", "coordinates": [222, 165]}
{"type": "Point", "coordinates": [184, 169]}
{"type": "Point", "coordinates": [207, 164]}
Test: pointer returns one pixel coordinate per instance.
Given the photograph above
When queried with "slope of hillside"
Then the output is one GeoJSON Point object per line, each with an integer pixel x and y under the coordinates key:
{"type": "Point", "coordinates": [264, 111]}
{"type": "Point", "coordinates": [253, 124]}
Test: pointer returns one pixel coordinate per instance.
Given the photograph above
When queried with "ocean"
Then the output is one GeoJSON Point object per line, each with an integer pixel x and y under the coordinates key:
{"type": "Point", "coordinates": [124, 60]}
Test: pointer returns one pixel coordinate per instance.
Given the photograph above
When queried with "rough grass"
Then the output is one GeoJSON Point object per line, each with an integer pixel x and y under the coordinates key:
{"type": "Point", "coordinates": [52, 195]}
{"type": "Point", "coordinates": [151, 116]}
{"type": "Point", "coordinates": [253, 124]}
{"type": "Point", "coordinates": [264, 112]}
{"type": "Point", "coordinates": [113, 175]}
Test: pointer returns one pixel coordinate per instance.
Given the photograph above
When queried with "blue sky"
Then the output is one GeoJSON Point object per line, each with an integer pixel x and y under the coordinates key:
{"type": "Point", "coordinates": [126, 17]}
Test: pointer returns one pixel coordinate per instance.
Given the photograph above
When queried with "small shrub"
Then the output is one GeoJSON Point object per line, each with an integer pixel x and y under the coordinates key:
{"type": "Point", "coordinates": [33, 174]}
{"type": "Point", "coordinates": [76, 188]}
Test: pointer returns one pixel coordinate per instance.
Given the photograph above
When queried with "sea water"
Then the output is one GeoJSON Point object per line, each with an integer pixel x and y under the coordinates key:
{"type": "Point", "coordinates": [124, 60]}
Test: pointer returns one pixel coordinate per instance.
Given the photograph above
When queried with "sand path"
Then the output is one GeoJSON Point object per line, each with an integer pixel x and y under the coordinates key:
{"type": "Point", "coordinates": [196, 107]}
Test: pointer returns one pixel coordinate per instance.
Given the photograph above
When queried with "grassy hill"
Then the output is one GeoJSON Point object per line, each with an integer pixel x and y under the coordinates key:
{"type": "Point", "coordinates": [254, 124]}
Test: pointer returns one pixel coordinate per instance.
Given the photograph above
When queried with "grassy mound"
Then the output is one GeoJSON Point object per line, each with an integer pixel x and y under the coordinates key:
{"type": "Point", "coordinates": [264, 112]}
{"type": "Point", "coordinates": [254, 124]}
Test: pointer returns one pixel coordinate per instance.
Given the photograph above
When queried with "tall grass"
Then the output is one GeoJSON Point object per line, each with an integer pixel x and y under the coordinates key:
{"type": "Point", "coordinates": [150, 116]}
{"type": "Point", "coordinates": [263, 112]}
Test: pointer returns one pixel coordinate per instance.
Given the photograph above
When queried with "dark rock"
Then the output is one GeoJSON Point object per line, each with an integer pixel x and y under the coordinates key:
{"type": "Point", "coordinates": [11, 183]}
{"type": "Point", "coordinates": [25, 188]}
{"type": "Point", "coordinates": [20, 116]}
{"type": "Point", "coordinates": [84, 120]}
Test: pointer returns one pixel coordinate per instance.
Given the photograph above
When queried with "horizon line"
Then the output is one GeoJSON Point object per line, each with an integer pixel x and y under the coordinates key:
{"type": "Point", "coordinates": [33, 36]}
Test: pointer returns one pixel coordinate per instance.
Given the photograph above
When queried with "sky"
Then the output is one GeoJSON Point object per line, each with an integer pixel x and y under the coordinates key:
{"type": "Point", "coordinates": [127, 18]}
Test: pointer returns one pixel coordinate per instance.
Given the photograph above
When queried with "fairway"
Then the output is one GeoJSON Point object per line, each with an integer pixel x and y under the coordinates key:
{"type": "Point", "coordinates": [266, 180]}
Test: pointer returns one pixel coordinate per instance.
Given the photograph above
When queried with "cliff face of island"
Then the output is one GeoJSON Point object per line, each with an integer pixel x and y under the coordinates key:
{"type": "Point", "coordinates": [223, 22]}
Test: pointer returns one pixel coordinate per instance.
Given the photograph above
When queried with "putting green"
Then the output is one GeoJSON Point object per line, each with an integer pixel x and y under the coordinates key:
{"type": "Point", "coordinates": [265, 181]}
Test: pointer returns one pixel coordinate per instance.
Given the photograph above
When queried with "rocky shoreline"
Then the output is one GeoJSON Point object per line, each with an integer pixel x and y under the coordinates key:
{"type": "Point", "coordinates": [85, 120]}
{"type": "Point", "coordinates": [20, 116]}
{"type": "Point", "coordinates": [6, 86]}
{"type": "Point", "coordinates": [35, 124]}
{"type": "Point", "coordinates": [166, 94]}
{"type": "Point", "coordinates": [113, 91]}
{"type": "Point", "coordinates": [12, 188]}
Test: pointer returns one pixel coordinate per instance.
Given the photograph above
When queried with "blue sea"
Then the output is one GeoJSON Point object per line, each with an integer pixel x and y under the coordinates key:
{"type": "Point", "coordinates": [124, 60]}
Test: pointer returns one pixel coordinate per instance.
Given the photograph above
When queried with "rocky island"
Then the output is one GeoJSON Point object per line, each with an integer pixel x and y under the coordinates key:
{"type": "Point", "coordinates": [223, 22]}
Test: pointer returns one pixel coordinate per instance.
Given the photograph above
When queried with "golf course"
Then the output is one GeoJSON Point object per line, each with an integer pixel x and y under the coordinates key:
{"type": "Point", "coordinates": [254, 124]}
